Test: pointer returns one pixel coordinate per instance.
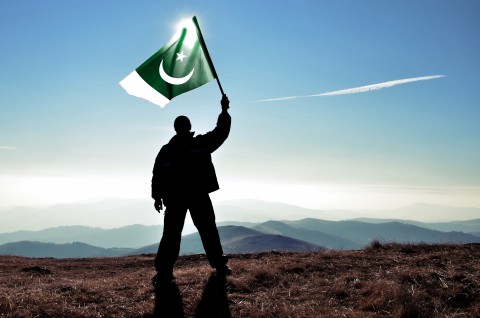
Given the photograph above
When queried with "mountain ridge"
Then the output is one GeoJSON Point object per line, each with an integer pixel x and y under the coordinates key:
{"type": "Point", "coordinates": [131, 236]}
{"type": "Point", "coordinates": [68, 250]}
{"type": "Point", "coordinates": [235, 239]}
{"type": "Point", "coordinates": [301, 235]}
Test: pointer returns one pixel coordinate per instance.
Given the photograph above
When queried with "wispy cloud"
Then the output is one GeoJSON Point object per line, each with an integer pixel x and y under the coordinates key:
{"type": "Point", "coordinates": [361, 89]}
{"type": "Point", "coordinates": [7, 148]}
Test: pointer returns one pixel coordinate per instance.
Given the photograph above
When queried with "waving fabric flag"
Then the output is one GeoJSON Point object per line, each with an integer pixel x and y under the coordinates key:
{"type": "Point", "coordinates": [181, 65]}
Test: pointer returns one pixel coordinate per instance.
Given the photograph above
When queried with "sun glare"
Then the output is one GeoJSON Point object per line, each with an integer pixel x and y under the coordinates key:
{"type": "Point", "coordinates": [33, 191]}
{"type": "Point", "coordinates": [191, 32]}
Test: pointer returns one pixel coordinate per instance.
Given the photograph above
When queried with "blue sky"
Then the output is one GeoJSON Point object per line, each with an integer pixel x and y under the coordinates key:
{"type": "Point", "coordinates": [69, 132]}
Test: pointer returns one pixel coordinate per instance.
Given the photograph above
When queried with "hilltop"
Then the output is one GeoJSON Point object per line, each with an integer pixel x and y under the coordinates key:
{"type": "Point", "coordinates": [382, 280]}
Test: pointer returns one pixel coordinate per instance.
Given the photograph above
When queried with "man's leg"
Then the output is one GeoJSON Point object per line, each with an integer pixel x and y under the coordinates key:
{"type": "Point", "coordinates": [203, 217]}
{"type": "Point", "coordinates": [169, 247]}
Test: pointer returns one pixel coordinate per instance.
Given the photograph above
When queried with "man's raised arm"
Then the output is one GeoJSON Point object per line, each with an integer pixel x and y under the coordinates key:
{"type": "Point", "coordinates": [215, 138]}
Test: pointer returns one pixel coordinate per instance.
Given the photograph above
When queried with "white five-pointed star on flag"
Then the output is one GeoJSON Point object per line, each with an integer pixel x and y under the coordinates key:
{"type": "Point", "coordinates": [181, 56]}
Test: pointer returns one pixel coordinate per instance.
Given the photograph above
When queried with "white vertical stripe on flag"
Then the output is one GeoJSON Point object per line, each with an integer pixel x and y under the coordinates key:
{"type": "Point", "coordinates": [136, 86]}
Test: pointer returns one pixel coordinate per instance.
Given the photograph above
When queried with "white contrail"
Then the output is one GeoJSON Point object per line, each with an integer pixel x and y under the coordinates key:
{"type": "Point", "coordinates": [361, 89]}
{"type": "Point", "coordinates": [8, 148]}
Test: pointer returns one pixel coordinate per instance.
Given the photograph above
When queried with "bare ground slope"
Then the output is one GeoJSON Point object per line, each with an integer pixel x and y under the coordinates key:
{"type": "Point", "coordinates": [389, 280]}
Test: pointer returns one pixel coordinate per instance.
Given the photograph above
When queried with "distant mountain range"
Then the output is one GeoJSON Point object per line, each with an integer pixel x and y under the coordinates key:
{"type": "Point", "coordinates": [132, 236]}
{"type": "Point", "coordinates": [238, 240]}
{"type": "Point", "coordinates": [235, 239]}
{"type": "Point", "coordinates": [116, 213]}
{"type": "Point", "coordinates": [299, 235]}
{"type": "Point", "coordinates": [112, 213]}
{"type": "Point", "coordinates": [68, 250]}
{"type": "Point", "coordinates": [363, 233]}
{"type": "Point", "coordinates": [467, 226]}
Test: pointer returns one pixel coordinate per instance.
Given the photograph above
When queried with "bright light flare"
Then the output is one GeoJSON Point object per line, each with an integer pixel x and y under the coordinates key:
{"type": "Point", "coordinates": [191, 32]}
{"type": "Point", "coordinates": [45, 190]}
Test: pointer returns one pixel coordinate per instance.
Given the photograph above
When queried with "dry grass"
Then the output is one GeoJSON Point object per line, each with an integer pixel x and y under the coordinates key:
{"type": "Point", "coordinates": [383, 280]}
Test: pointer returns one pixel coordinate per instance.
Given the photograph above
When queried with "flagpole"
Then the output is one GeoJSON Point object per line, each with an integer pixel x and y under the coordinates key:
{"type": "Point", "coordinates": [207, 55]}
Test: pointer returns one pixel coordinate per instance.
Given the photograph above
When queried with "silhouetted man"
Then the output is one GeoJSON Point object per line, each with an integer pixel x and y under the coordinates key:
{"type": "Point", "coordinates": [183, 177]}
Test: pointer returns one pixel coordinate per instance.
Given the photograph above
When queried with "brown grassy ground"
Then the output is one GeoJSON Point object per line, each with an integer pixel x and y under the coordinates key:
{"type": "Point", "coordinates": [380, 281]}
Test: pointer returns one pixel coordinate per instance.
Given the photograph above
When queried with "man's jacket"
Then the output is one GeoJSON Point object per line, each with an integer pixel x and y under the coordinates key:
{"type": "Point", "coordinates": [184, 165]}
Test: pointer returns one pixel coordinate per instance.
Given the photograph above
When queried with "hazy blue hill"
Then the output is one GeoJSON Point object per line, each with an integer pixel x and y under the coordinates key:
{"type": "Point", "coordinates": [432, 213]}
{"type": "Point", "coordinates": [61, 234]}
{"type": "Point", "coordinates": [131, 236]}
{"type": "Point", "coordinates": [252, 210]}
{"type": "Point", "coordinates": [238, 223]}
{"type": "Point", "coordinates": [467, 226]}
{"type": "Point", "coordinates": [262, 211]}
{"type": "Point", "coordinates": [116, 213]}
{"type": "Point", "coordinates": [232, 232]}
{"type": "Point", "coordinates": [363, 233]}
{"type": "Point", "coordinates": [69, 250]}
{"type": "Point", "coordinates": [148, 249]}
{"type": "Point", "coordinates": [350, 234]}
{"type": "Point", "coordinates": [311, 236]}
{"type": "Point", "coordinates": [192, 244]}
{"type": "Point", "coordinates": [238, 239]}
{"type": "Point", "coordinates": [58, 235]}
{"type": "Point", "coordinates": [111, 213]}
{"type": "Point", "coordinates": [461, 226]}
{"type": "Point", "coordinates": [269, 242]}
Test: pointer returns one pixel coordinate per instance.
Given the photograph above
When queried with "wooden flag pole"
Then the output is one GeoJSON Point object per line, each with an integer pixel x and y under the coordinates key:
{"type": "Point", "coordinates": [207, 55]}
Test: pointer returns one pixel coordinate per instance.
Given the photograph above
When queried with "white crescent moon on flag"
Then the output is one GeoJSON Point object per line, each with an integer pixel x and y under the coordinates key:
{"type": "Point", "coordinates": [174, 80]}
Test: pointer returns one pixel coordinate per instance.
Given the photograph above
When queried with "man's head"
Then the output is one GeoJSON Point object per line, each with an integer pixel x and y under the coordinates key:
{"type": "Point", "coordinates": [182, 125]}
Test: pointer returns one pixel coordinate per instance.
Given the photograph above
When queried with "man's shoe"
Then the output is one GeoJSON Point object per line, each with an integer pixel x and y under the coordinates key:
{"type": "Point", "coordinates": [162, 280]}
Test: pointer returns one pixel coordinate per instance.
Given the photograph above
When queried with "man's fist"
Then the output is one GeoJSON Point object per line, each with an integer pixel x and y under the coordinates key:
{"type": "Point", "coordinates": [225, 102]}
{"type": "Point", "coordinates": [158, 205]}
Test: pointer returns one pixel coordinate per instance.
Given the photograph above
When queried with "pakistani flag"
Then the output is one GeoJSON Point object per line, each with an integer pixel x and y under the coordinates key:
{"type": "Point", "coordinates": [181, 65]}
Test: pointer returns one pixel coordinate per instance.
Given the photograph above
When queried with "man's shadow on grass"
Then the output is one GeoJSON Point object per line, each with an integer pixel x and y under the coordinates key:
{"type": "Point", "coordinates": [168, 302]}
{"type": "Point", "coordinates": [213, 304]}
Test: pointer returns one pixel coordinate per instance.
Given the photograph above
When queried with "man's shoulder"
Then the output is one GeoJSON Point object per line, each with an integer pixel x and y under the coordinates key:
{"type": "Point", "coordinates": [163, 150]}
{"type": "Point", "coordinates": [200, 140]}
{"type": "Point", "coordinates": [198, 136]}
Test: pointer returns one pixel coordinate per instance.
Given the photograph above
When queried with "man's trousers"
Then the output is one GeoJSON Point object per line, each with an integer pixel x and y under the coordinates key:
{"type": "Point", "coordinates": [203, 216]}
